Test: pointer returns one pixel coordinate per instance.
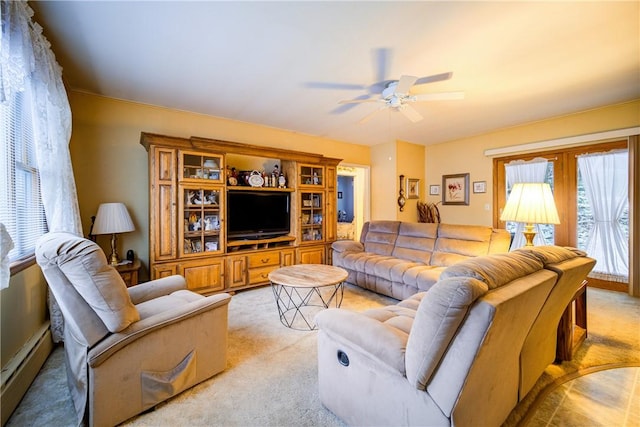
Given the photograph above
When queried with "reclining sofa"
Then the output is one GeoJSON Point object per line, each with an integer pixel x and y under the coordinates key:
{"type": "Point", "coordinates": [398, 259]}
{"type": "Point", "coordinates": [463, 353]}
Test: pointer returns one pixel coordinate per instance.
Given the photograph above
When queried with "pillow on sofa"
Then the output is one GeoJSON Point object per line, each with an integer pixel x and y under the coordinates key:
{"type": "Point", "coordinates": [439, 315]}
{"type": "Point", "coordinates": [495, 270]}
{"type": "Point", "coordinates": [85, 266]}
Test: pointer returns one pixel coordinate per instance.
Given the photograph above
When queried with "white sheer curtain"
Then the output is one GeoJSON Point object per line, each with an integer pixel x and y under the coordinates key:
{"type": "Point", "coordinates": [605, 180]}
{"type": "Point", "coordinates": [526, 171]}
{"type": "Point", "coordinates": [26, 61]}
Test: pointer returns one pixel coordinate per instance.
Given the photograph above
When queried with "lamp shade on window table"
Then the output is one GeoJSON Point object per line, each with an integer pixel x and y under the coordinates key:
{"type": "Point", "coordinates": [531, 203]}
{"type": "Point", "coordinates": [112, 218]}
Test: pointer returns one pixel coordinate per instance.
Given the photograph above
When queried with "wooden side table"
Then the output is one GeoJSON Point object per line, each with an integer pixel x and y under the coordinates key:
{"type": "Point", "coordinates": [572, 332]}
{"type": "Point", "coordinates": [129, 272]}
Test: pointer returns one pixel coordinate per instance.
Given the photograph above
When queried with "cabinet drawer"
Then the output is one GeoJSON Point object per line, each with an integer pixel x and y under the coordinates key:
{"type": "Point", "coordinates": [263, 259]}
{"type": "Point", "coordinates": [260, 275]}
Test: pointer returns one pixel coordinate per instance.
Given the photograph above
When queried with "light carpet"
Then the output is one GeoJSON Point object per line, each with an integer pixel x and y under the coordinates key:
{"type": "Point", "coordinates": [271, 375]}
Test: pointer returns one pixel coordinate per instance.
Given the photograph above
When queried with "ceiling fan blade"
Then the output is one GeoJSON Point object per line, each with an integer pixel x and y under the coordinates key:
{"type": "Point", "coordinates": [381, 57]}
{"type": "Point", "coordinates": [405, 83]}
{"type": "Point", "coordinates": [327, 85]}
{"type": "Point", "coordinates": [369, 116]}
{"type": "Point", "coordinates": [441, 96]}
{"type": "Point", "coordinates": [434, 78]}
{"type": "Point", "coordinates": [410, 113]}
{"type": "Point", "coordinates": [357, 101]}
{"type": "Point", "coordinates": [346, 105]}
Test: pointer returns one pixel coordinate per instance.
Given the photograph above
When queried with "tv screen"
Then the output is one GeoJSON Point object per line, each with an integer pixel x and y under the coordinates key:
{"type": "Point", "coordinates": [257, 214]}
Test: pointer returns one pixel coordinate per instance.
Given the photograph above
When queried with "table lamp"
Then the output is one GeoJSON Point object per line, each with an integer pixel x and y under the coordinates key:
{"type": "Point", "coordinates": [530, 203]}
{"type": "Point", "coordinates": [112, 218]}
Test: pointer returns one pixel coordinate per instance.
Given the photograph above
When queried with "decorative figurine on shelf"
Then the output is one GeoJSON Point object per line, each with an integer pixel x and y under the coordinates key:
{"type": "Point", "coordinates": [232, 179]}
{"type": "Point", "coordinates": [210, 199]}
{"type": "Point", "coordinates": [194, 222]}
{"type": "Point", "coordinates": [194, 198]}
{"type": "Point", "coordinates": [282, 181]}
{"type": "Point", "coordinates": [316, 179]}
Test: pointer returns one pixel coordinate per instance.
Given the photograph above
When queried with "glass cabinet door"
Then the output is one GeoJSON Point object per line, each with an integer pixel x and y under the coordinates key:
{"type": "Point", "coordinates": [312, 216]}
{"type": "Point", "coordinates": [199, 166]}
{"type": "Point", "coordinates": [201, 220]}
{"type": "Point", "coordinates": [311, 176]}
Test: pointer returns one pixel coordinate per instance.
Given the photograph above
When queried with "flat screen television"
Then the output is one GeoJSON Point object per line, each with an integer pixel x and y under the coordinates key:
{"type": "Point", "coordinates": [257, 214]}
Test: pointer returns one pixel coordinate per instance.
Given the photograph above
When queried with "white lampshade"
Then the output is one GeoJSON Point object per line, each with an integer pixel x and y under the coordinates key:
{"type": "Point", "coordinates": [112, 218]}
{"type": "Point", "coordinates": [531, 203]}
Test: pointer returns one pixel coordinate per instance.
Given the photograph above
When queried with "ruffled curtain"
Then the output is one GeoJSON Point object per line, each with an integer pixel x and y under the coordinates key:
{"type": "Point", "coordinates": [6, 244]}
{"type": "Point", "coordinates": [605, 180]}
{"type": "Point", "coordinates": [27, 63]}
{"type": "Point", "coordinates": [526, 171]}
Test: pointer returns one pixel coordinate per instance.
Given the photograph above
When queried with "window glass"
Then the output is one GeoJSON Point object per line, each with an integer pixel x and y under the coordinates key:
{"type": "Point", "coordinates": [21, 209]}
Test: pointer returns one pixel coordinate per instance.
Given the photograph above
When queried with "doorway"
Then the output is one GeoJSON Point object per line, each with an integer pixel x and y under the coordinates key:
{"type": "Point", "coordinates": [353, 201]}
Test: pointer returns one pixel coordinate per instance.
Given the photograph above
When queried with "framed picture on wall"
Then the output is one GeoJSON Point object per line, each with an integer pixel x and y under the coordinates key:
{"type": "Point", "coordinates": [413, 185]}
{"type": "Point", "coordinates": [479, 186]}
{"type": "Point", "coordinates": [455, 189]}
{"type": "Point", "coordinates": [434, 190]}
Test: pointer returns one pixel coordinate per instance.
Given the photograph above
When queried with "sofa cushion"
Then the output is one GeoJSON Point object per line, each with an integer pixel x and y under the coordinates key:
{"type": "Point", "coordinates": [437, 319]}
{"type": "Point", "coordinates": [415, 241]}
{"type": "Point", "coordinates": [380, 237]}
{"type": "Point", "coordinates": [456, 243]}
{"type": "Point", "coordinates": [495, 270]}
{"type": "Point", "coordinates": [398, 317]}
{"type": "Point", "coordinates": [422, 277]}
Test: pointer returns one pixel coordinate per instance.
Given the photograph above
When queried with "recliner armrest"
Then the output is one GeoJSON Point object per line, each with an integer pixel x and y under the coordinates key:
{"type": "Point", "coordinates": [347, 246]}
{"type": "Point", "coordinates": [156, 288]}
{"type": "Point", "coordinates": [376, 339]}
{"type": "Point", "coordinates": [114, 342]}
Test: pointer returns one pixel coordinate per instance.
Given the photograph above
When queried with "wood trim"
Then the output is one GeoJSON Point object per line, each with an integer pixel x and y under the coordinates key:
{"type": "Point", "coordinates": [22, 264]}
{"type": "Point", "coordinates": [28, 363]}
{"type": "Point", "coordinates": [634, 216]}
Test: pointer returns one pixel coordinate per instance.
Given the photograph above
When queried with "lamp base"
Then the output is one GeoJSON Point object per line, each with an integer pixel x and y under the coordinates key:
{"type": "Point", "coordinates": [529, 234]}
{"type": "Point", "coordinates": [113, 258]}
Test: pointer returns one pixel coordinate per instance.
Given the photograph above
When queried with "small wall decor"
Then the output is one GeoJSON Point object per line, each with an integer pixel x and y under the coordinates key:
{"type": "Point", "coordinates": [455, 189]}
{"type": "Point", "coordinates": [413, 187]}
{"type": "Point", "coordinates": [434, 190]}
{"type": "Point", "coordinates": [479, 186]}
{"type": "Point", "coordinates": [401, 199]}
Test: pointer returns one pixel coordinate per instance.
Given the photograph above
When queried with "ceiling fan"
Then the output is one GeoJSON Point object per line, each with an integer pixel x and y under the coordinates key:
{"type": "Point", "coordinates": [400, 94]}
{"type": "Point", "coordinates": [393, 94]}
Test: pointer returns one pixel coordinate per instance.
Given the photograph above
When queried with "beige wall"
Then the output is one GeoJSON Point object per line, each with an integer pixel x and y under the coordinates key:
{"type": "Point", "coordinates": [110, 165]}
{"type": "Point", "coordinates": [384, 181]}
{"type": "Point", "coordinates": [467, 155]}
{"type": "Point", "coordinates": [388, 162]}
{"type": "Point", "coordinates": [410, 163]}
{"type": "Point", "coordinates": [22, 310]}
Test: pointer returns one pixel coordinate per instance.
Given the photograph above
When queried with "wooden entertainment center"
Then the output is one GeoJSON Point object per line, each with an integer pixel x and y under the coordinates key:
{"type": "Point", "coordinates": [189, 181]}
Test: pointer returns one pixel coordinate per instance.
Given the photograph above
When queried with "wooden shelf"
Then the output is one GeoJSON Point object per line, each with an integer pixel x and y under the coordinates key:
{"type": "Point", "coordinates": [248, 188]}
{"type": "Point", "coordinates": [260, 242]}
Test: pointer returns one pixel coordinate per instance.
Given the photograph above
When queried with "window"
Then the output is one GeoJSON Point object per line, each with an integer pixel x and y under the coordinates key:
{"type": "Point", "coordinates": [576, 217]}
{"type": "Point", "coordinates": [21, 209]}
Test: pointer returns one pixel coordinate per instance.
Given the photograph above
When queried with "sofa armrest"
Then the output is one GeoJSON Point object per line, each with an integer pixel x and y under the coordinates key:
{"type": "Point", "coordinates": [156, 288]}
{"type": "Point", "coordinates": [376, 339]}
{"type": "Point", "coordinates": [347, 246]}
{"type": "Point", "coordinates": [114, 342]}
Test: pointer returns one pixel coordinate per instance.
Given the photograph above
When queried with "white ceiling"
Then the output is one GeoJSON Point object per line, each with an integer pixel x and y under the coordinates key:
{"type": "Point", "coordinates": [266, 62]}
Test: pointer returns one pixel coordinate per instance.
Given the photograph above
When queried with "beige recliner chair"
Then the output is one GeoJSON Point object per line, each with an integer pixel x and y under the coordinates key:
{"type": "Point", "coordinates": [127, 349]}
